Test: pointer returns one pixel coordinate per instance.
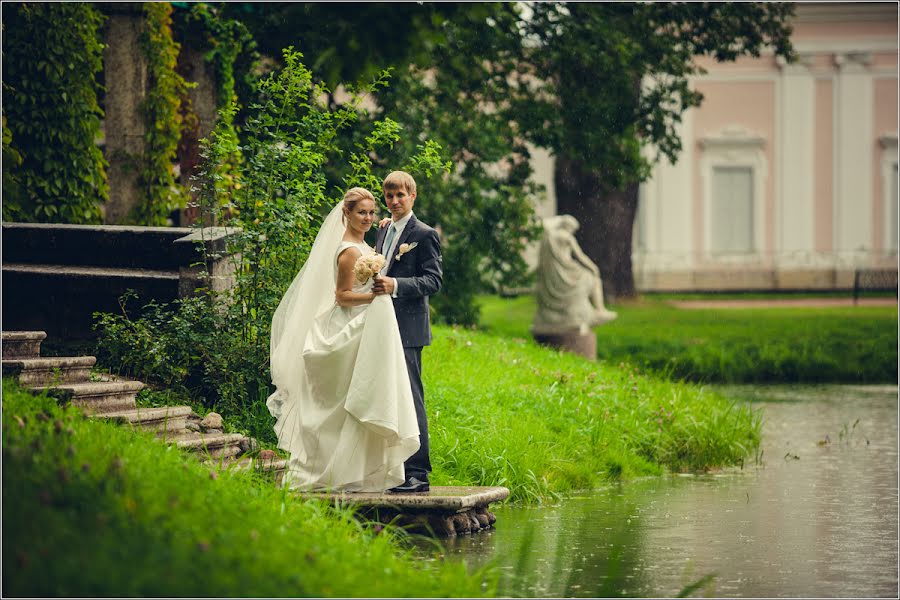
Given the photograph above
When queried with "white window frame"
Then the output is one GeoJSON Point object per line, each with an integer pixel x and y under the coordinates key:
{"type": "Point", "coordinates": [734, 146]}
{"type": "Point", "coordinates": [888, 162]}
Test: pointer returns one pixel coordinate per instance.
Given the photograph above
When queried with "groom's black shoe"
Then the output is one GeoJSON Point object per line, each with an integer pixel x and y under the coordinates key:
{"type": "Point", "coordinates": [411, 485]}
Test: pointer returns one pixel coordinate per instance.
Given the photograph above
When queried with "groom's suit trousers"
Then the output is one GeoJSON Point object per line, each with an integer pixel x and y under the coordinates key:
{"type": "Point", "coordinates": [419, 274]}
{"type": "Point", "coordinates": [419, 464]}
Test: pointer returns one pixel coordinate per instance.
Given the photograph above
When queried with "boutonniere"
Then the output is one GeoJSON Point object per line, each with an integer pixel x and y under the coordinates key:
{"type": "Point", "coordinates": [404, 248]}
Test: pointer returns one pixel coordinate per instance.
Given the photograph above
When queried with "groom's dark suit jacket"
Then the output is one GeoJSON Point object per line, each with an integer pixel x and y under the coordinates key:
{"type": "Point", "coordinates": [419, 274]}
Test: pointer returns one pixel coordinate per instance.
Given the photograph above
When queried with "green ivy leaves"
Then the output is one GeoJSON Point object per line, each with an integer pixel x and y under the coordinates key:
{"type": "Point", "coordinates": [53, 170]}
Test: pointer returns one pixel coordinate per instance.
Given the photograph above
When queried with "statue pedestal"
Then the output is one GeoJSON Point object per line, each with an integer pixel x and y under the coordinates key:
{"type": "Point", "coordinates": [572, 340]}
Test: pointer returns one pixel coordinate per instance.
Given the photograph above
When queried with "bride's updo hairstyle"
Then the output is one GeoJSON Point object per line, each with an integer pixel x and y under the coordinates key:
{"type": "Point", "coordinates": [354, 196]}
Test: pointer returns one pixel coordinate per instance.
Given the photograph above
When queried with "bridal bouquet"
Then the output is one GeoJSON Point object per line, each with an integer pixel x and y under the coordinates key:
{"type": "Point", "coordinates": [368, 266]}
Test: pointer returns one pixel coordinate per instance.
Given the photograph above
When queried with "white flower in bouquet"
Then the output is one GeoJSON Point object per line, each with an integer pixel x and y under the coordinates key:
{"type": "Point", "coordinates": [368, 266]}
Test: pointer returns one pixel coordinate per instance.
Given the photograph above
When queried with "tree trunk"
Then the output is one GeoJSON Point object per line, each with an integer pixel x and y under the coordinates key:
{"type": "Point", "coordinates": [607, 222]}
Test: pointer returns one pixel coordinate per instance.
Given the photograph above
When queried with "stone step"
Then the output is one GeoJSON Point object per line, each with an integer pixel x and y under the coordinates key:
{"type": "Point", "coordinates": [164, 420]}
{"type": "Point", "coordinates": [62, 299]}
{"type": "Point", "coordinates": [89, 272]}
{"type": "Point", "coordinates": [213, 445]}
{"type": "Point", "coordinates": [22, 344]}
{"type": "Point", "coordinates": [100, 245]}
{"type": "Point", "coordinates": [49, 371]}
{"type": "Point", "coordinates": [96, 396]}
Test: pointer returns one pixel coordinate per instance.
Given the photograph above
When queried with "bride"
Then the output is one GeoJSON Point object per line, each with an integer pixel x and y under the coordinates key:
{"type": "Point", "coordinates": [343, 403]}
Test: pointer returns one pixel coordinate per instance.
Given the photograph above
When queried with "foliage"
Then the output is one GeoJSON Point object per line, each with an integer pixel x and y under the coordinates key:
{"type": "Point", "coordinates": [173, 347]}
{"type": "Point", "coordinates": [96, 509]}
{"type": "Point", "coordinates": [228, 47]}
{"type": "Point", "coordinates": [485, 209]}
{"type": "Point", "coordinates": [789, 345]}
{"type": "Point", "coordinates": [544, 423]}
{"type": "Point", "coordinates": [12, 160]}
{"type": "Point", "coordinates": [219, 344]}
{"type": "Point", "coordinates": [204, 25]}
{"type": "Point", "coordinates": [51, 56]}
{"type": "Point", "coordinates": [347, 41]}
{"type": "Point", "coordinates": [163, 118]}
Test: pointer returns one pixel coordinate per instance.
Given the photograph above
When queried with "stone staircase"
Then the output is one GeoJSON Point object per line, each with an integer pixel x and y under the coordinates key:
{"type": "Point", "coordinates": [56, 276]}
{"type": "Point", "coordinates": [69, 380]}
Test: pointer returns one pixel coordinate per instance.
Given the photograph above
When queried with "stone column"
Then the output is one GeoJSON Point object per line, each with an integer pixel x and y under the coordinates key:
{"type": "Point", "coordinates": [194, 68]}
{"type": "Point", "coordinates": [853, 153]}
{"type": "Point", "coordinates": [125, 72]}
{"type": "Point", "coordinates": [795, 218]}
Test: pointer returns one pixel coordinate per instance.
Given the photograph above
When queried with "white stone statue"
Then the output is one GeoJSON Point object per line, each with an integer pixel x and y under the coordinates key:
{"type": "Point", "coordinates": [569, 290]}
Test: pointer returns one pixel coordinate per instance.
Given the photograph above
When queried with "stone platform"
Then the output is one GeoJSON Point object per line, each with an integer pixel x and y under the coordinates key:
{"type": "Point", "coordinates": [443, 511]}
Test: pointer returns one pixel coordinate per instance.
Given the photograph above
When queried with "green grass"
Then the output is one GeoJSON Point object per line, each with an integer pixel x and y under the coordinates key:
{"type": "Point", "coordinates": [852, 344]}
{"type": "Point", "coordinates": [509, 412]}
{"type": "Point", "coordinates": [95, 509]}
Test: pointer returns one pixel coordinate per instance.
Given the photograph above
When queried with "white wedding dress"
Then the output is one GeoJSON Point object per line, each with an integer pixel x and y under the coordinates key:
{"type": "Point", "coordinates": [343, 405]}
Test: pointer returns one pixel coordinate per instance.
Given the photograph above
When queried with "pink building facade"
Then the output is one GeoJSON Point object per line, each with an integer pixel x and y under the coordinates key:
{"type": "Point", "coordinates": [788, 174]}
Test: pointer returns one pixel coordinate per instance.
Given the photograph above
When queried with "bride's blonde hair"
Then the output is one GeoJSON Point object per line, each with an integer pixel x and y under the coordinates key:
{"type": "Point", "coordinates": [354, 195]}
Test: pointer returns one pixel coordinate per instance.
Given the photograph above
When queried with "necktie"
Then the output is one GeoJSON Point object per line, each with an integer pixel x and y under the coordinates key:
{"type": "Point", "coordinates": [388, 239]}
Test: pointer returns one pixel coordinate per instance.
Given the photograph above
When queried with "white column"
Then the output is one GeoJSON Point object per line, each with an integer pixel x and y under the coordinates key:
{"type": "Point", "coordinates": [853, 154]}
{"type": "Point", "coordinates": [794, 208]}
{"type": "Point", "coordinates": [670, 227]}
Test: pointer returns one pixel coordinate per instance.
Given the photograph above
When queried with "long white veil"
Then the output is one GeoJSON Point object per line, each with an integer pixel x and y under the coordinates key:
{"type": "Point", "coordinates": [311, 292]}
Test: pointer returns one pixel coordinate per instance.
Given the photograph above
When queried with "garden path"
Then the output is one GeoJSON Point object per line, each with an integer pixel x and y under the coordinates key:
{"type": "Point", "coordinates": [782, 303]}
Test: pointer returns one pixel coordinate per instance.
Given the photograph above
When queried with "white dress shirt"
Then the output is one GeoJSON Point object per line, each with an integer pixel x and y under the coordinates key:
{"type": "Point", "coordinates": [399, 226]}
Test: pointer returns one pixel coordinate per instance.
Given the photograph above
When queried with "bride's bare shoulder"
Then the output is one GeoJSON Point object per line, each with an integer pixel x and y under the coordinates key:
{"type": "Point", "coordinates": [347, 253]}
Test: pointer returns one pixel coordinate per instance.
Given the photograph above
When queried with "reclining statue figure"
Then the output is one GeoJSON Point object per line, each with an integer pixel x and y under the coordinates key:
{"type": "Point", "coordinates": [569, 290]}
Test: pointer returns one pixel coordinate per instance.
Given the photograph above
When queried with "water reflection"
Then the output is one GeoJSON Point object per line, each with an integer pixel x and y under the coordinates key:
{"type": "Point", "coordinates": [818, 517]}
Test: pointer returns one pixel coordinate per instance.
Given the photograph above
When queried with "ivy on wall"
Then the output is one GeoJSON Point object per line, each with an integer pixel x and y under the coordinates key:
{"type": "Point", "coordinates": [52, 54]}
{"type": "Point", "coordinates": [163, 117]}
{"type": "Point", "coordinates": [224, 42]}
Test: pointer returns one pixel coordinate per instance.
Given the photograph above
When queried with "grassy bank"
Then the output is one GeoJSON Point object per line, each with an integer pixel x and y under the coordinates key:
{"type": "Point", "coordinates": [508, 412]}
{"type": "Point", "coordinates": [855, 344]}
{"type": "Point", "coordinates": [505, 411]}
{"type": "Point", "coordinates": [93, 509]}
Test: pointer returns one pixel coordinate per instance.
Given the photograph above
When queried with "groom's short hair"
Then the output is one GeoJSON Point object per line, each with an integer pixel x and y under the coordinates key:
{"type": "Point", "coordinates": [399, 179]}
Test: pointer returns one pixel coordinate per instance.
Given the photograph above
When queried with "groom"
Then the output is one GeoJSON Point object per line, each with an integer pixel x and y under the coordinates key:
{"type": "Point", "coordinates": [412, 272]}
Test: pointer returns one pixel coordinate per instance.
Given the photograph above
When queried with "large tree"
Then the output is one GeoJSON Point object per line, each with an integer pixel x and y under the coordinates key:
{"type": "Point", "coordinates": [615, 79]}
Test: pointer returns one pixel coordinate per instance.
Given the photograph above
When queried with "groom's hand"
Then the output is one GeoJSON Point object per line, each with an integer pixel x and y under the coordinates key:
{"type": "Point", "coordinates": [383, 285]}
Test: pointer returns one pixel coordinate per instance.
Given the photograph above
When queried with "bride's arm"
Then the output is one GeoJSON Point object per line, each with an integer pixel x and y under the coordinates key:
{"type": "Point", "coordinates": [344, 293]}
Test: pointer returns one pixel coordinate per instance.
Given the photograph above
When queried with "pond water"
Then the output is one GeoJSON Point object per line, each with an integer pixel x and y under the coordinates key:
{"type": "Point", "coordinates": [816, 518]}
